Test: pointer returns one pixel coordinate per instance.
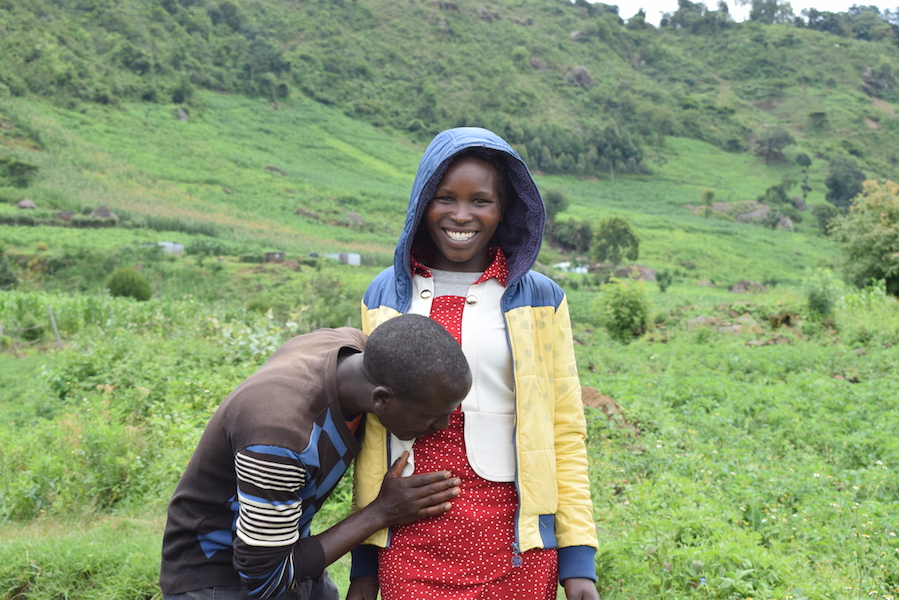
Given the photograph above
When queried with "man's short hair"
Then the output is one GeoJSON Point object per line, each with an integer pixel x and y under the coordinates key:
{"type": "Point", "coordinates": [410, 353]}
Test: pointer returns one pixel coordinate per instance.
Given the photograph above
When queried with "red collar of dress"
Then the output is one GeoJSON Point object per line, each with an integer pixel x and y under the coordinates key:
{"type": "Point", "coordinates": [497, 268]}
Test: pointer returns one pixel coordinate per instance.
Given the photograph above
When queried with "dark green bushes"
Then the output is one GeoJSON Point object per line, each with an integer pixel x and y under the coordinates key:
{"type": "Point", "coordinates": [126, 281]}
{"type": "Point", "coordinates": [16, 173]}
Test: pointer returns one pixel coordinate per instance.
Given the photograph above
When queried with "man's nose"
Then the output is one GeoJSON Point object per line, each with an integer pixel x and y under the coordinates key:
{"type": "Point", "coordinates": [441, 423]}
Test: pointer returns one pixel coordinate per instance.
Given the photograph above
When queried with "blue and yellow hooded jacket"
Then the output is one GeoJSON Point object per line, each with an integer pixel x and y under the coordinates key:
{"type": "Point", "coordinates": [554, 510]}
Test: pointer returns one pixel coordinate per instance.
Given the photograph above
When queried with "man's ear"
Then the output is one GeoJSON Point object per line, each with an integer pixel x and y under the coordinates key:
{"type": "Point", "coordinates": [381, 397]}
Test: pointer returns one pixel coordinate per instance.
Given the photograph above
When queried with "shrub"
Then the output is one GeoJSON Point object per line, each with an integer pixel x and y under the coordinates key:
{"type": "Point", "coordinates": [822, 290]}
{"type": "Point", "coordinates": [32, 330]}
{"type": "Point", "coordinates": [868, 316]}
{"type": "Point", "coordinates": [16, 173]}
{"type": "Point", "coordinates": [664, 279]}
{"type": "Point", "coordinates": [129, 282]}
{"type": "Point", "coordinates": [824, 214]}
{"type": "Point", "coordinates": [623, 308]}
{"type": "Point", "coordinates": [258, 305]}
{"type": "Point", "coordinates": [207, 247]}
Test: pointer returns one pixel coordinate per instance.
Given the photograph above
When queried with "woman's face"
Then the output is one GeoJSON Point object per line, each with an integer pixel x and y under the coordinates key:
{"type": "Point", "coordinates": [463, 215]}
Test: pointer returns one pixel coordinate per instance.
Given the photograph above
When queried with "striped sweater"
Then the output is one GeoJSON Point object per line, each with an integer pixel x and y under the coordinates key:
{"type": "Point", "coordinates": [269, 457]}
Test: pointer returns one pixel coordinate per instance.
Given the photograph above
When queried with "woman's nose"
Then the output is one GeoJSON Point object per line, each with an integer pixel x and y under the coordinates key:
{"type": "Point", "coordinates": [461, 213]}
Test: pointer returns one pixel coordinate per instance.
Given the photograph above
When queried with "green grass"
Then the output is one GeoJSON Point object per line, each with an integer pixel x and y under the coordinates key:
{"type": "Point", "coordinates": [113, 557]}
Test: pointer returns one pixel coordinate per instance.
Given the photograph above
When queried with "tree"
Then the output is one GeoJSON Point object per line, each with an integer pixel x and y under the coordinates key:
{"type": "Point", "coordinates": [773, 142]}
{"type": "Point", "coordinates": [555, 201]}
{"type": "Point", "coordinates": [572, 236]}
{"type": "Point", "coordinates": [844, 182]}
{"type": "Point", "coordinates": [770, 12]}
{"type": "Point", "coordinates": [614, 240]}
{"type": "Point", "coordinates": [868, 236]}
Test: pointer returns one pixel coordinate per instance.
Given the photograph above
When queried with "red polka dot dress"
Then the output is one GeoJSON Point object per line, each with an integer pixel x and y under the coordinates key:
{"type": "Point", "coordinates": [467, 553]}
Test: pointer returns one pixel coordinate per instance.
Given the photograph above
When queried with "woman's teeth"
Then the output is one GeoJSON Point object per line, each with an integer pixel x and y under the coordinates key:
{"type": "Point", "coordinates": [460, 236]}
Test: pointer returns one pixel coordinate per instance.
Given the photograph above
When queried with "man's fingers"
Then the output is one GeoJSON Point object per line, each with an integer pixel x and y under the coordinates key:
{"type": "Point", "coordinates": [424, 479]}
{"type": "Point", "coordinates": [396, 469]}
{"type": "Point", "coordinates": [433, 511]}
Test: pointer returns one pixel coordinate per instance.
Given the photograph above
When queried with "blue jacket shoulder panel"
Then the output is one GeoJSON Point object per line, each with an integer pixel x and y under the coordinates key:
{"type": "Point", "coordinates": [388, 290]}
{"type": "Point", "coordinates": [535, 290]}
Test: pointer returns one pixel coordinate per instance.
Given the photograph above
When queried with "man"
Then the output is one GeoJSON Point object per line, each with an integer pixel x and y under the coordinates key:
{"type": "Point", "coordinates": [239, 521]}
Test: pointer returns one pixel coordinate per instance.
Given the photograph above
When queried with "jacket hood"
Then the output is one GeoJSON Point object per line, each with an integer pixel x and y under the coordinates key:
{"type": "Point", "coordinates": [520, 232]}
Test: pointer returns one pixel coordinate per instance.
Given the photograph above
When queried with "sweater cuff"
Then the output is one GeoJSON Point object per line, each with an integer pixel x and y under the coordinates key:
{"type": "Point", "coordinates": [577, 562]}
{"type": "Point", "coordinates": [365, 561]}
{"type": "Point", "coordinates": [309, 554]}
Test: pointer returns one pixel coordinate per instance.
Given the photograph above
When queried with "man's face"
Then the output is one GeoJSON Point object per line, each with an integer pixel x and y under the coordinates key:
{"type": "Point", "coordinates": [411, 419]}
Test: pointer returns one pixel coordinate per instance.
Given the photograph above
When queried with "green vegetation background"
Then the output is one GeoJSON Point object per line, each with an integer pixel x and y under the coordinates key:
{"type": "Point", "coordinates": [754, 452]}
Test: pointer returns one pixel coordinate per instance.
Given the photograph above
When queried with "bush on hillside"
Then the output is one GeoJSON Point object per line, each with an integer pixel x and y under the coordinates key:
{"type": "Point", "coordinates": [556, 201]}
{"type": "Point", "coordinates": [126, 281]}
{"type": "Point", "coordinates": [623, 308]}
{"type": "Point", "coordinates": [207, 247]}
{"type": "Point", "coordinates": [664, 279]}
{"type": "Point", "coordinates": [824, 214]}
{"type": "Point", "coordinates": [16, 173]}
{"type": "Point", "coordinates": [844, 182]}
{"type": "Point", "coordinates": [868, 236]}
{"type": "Point", "coordinates": [822, 291]}
{"type": "Point", "coordinates": [614, 241]}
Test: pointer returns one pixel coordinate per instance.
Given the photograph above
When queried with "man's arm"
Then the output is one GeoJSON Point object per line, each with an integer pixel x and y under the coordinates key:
{"type": "Point", "coordinates": [270, 556]}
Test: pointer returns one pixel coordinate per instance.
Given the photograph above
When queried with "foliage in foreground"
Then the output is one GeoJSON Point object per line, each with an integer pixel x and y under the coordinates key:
{"type": "Point", "coordinates": [762, 469]}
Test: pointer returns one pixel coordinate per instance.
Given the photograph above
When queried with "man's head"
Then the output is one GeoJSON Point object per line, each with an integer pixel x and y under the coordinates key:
{"type": "Point", "coordinates": [419, 373]}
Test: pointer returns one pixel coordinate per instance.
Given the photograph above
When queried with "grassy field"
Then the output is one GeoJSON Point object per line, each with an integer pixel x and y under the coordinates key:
{"type": "Point", "coordinates": [753, 456]}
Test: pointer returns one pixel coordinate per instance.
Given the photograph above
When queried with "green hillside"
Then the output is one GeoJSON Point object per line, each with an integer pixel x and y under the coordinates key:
{"type": "Point", "coordinates": [212, 171]}
{"type": "Point", "coordinates": [570, 84]}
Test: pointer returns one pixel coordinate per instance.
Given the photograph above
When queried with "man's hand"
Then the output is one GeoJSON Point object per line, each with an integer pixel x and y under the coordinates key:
{"type": "Point", "coordinates": [363, 588]}
{"type": "Point", "coordinates": [401, 500]}
{"type": "Point", "coordinates": [404, 500]}
{"type": "Point", "coordinates": [579, 588]}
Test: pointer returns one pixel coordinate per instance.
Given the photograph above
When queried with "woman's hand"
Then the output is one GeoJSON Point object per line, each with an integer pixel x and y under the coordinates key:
{"type": "Point", "coordinates": [579, 588]}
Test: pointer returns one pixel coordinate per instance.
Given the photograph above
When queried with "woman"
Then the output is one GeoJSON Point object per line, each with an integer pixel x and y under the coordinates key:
{"type": "Point", "coordinates": [524, 518]}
